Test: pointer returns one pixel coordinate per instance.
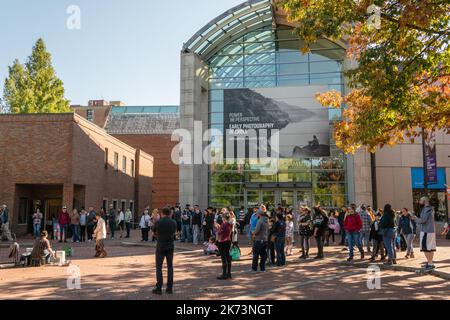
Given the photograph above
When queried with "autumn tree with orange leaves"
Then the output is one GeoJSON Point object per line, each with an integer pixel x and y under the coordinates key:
{"type": "Point", "coordinates": [401, 79]}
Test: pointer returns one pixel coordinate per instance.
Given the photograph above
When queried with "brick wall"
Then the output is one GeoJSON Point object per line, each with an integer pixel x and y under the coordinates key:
{"type": "Point", "coordinates": [68, 151]}
{"type": "Point", "coordinates": [166, 174]}
{"type": "Point", "coordinates": [100, 113]}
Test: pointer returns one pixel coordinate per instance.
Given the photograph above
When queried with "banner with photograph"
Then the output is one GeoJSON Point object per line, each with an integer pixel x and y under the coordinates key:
{"type": "Point", "coordinates": [303, 124]}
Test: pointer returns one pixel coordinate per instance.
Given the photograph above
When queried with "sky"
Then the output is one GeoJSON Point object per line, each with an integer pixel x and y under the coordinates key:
{"type": "Point", "coordinates": [127, 50]}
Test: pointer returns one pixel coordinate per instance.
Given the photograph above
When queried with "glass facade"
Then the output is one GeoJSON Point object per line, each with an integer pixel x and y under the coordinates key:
{"type": "Point", "coordinates": [269, 58]}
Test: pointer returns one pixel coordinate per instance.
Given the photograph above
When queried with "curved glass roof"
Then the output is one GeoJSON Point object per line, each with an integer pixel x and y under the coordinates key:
{"type": "Point", "coordinates": [234, 23]}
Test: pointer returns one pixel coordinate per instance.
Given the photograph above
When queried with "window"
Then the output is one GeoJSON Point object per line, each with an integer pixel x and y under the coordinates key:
{"type": "Point", "coordinates": [124, 164]}
{"type": "Point", "coordinates": [115, 204]}
{"type": "Point", "coordinates": [132, 168]}
{"type": "Point", "coordinates": [116, 161]}
{"type": "Point", "coordinates": [106, 157]}
{"type": "Point", "coordinates": [131, 206]}
{"type": "Point", "coordinates": [90, 115]}
{"type": "Point", "coordinates": [123, 205]}
{"type": "Point", "coordinates": [23, 211]}
{"type": "Point", "coordinates": [105, 204]}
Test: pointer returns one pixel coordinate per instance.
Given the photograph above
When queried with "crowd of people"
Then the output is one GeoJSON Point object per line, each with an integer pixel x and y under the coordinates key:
{"type": "Point", "coordinates": [272, 233]}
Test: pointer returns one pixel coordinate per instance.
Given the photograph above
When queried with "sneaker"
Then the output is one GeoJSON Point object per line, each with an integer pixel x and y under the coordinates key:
{"type": "Point", "coordinates": [350, 260]}
{"type": "Point", "coordinates": [169, 291]}
{"type": "Point", "coordinates": [222, 277]}
{"type": "Point", "coordinates": [412, 256]}
{"type": "Point", "coordinates": [394, 261]}
{"type": "Point", "coordinates": [362, 256]}
{"type": "Point", "coordinates": [157, 291]}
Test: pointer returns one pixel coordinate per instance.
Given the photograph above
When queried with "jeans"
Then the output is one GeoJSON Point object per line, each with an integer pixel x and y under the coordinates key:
{"type": "Point", "coordinates": [241, 227]}
{"type": "Point", "coordinates": [82, 233]}
{"type": "Point", "coordinates": [343, 237]}
{"type": "Point", "coordinates": [319, 242]}
{"type": "Point", "coordinates": [271, 249]}
{"type": "Point", "coordinates": [63, 232]}
{"type": "Point", "coordinates": [409, 243]}
{"type": "Point", "coordinates": [378, 248]}
{"type": "Point", "coordinates": [224, 250]}
{"type": "Point", "coordinates": [145, 232]}
{"type": "Point", "coordinates": [305, 245]}
{"type": "Point", "coordinates": [128, 227]}
{"type": "Point", "coordinates": [185, 232]}
{"type": "Point", "coordinates": [112, 227]}
{"type": "Point", "coordinates": [388, 239]}
{"type": "Point", "coordinates": [279, 248]}
{"type": "Point", "coordinates": [354, 239]}
{"type": "Point", "coordinates": [248, 231]}
{"type": "Point", "coordinates": [37, 230]}
{"type": "Point", "coordinates": [90, 231]}
{"type": "Point", "coordinates": [207, 232]}
{"type": "Point", "coordinates": [75, 232]}
{"type": "Point", "coordinates": [196, 233]}
{"type": "Point", "coordinates": [160, 255]}
{"type": "Point", "coordinates": [259, 252]}
{"type": "Point", "coordinates": [364, 239]}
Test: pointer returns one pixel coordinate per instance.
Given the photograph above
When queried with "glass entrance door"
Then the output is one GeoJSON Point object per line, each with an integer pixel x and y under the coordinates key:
{"type": "Point", "coordinates": [268, 198]}
{"type": "Point", "coordinates": [271, 198]}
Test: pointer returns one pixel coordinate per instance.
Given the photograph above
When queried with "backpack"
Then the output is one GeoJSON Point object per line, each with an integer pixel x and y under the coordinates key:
{"type": "Point", "coordinates": [235, 253]}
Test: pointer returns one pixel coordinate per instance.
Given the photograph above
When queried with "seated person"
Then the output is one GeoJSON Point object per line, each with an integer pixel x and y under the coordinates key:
{"type": "Point", "coordinates": [211, 247]}
{"type": "Point", "coordinates": [42, 248]}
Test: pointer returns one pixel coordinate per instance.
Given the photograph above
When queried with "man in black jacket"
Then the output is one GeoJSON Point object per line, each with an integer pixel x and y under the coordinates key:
{"type": "Point", "coordinates": [164, 231]}
{"type": "Point", "coordinates": [196, 224]}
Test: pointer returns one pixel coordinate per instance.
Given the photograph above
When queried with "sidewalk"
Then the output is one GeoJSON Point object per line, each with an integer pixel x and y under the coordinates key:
{"type": "Point", "coordinates": [333, 254]}
{"type": "Point", "coordinates": [441, 259]}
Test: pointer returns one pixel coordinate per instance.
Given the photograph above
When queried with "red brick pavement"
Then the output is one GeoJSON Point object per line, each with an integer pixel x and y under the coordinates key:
{"type": "Point", "coordinates": [128, 273]}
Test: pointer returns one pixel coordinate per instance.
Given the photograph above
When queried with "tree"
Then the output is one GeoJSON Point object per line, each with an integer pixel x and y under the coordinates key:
{"type": "Point", "coordinates": [34, 87]}
{"type": "Point", "coordinates": [3, 107]}
{"type": "Point", "coordinates": [402, 75]}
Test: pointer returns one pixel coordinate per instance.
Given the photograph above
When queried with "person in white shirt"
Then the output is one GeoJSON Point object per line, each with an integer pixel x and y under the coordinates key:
{"type": "Point", "coordinates": [100, 235]}
{"type": "Point", "coordinates": [121, 222]}
{"type": "Point", "coordinates": [144, 224]}
{"type": "Point", "coordinates": [128, 219]}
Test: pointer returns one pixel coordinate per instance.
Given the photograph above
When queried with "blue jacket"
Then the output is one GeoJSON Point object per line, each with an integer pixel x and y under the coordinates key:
{"type": "Point", "coordinates": [253, 222]}
{"type": "Point", "coordinates": [406, 225]}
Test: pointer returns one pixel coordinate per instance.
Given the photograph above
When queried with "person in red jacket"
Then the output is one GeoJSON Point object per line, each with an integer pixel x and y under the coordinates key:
{"type": "Point", "coordinates": [353, 225]}
{"type": "Point", "coordinates": [64, 221]}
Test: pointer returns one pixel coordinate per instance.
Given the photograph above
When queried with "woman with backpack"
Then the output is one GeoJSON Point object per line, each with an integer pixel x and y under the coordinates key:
{"type": "Point", "coordinates": [144, 224]}
{"type": "Point", "coordinates": [407, 228]}
{"type": "Point", "coordinates": [320, 225]}
{"type": "Point", "coordinates": [289, 234]}
{"type": "Point", "coordinates": [376, 236]}
{"type": "Point", "coordinates": [224, 231]}
{"type": "Point", "coordinates": [387, 225]}
{"type": "Point", "coordinates": [333, 227]}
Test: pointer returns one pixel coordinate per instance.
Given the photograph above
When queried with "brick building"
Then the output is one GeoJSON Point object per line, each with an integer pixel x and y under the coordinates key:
{"type": "Point", "coordinates": [62, 159]}
{"type": "Point", "coordinates": [97, 111]}
{"type": "Point", "coordinates": [150, 129]}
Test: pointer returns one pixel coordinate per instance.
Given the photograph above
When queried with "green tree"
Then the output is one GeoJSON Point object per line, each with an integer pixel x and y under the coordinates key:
{"type": "Point", "coordinates": [34, 87]}
{"type": "Point", "coordinates": [401, 78]}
